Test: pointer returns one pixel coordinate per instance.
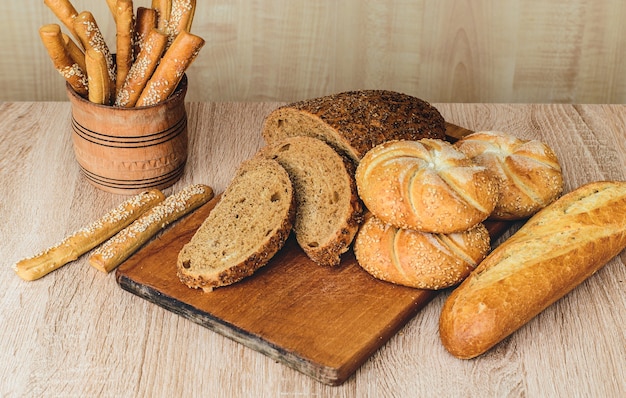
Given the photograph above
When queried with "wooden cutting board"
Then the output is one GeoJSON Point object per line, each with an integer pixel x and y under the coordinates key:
{"type": "Point", "coordinates": [324, 322]}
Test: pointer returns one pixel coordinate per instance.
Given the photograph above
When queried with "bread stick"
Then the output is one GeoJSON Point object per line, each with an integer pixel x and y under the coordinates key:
{"type": "Point", "coordinates": [65, 12]}
{"type": "Point", "coordinates": [124, 34]}
{"type": "Point", "coordinates": [113, 8]}
{"type": "Point", "coordinates": [145, 21]}
{"type": "Point", "coordinates": [141, 70]}
{"type": "Point", "coordinates": [163, 9]}
{"type": "Point", "coordinates": [117, 249]}
{"type": "Point", "coordinates": [75, 52]}
{"type": "Point", "coordinates": [91, 37]}
{"type": "Point", "coordinates": [170, 70]}
{"type": "Point", "coordinates": [97, 77]}
{"type": "Point", "coordinates": [181, 17]}
{"type": "Point", "coordinates": [53, 41]}
{"type": "Point", "coordinates": [85, 239]}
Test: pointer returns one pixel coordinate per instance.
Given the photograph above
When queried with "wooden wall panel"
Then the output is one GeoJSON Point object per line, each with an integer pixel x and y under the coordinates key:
{"type": "Point", "coordinates": [570, 51]}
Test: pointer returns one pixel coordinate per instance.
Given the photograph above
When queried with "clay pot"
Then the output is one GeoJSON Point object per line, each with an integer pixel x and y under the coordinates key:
{"type": "Point", "coordinates": [128, 150]}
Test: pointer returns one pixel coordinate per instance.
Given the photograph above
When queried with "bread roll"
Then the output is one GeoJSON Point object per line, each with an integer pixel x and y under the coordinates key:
{"type": "Point", "coordinates": [528, 172]}
{"type": "Point", "coordinates": [353, 122]}
{"type": "Point", "coordinates": [71, 71]}
{"type": "Point", "coordinates": [426, 185]}
{"type": "Point", "coordinates": [419, 259]}
{"type": "Point", "coordinates": [555, 251]}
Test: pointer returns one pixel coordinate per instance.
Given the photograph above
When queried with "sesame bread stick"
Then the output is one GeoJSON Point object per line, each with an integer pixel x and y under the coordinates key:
{"type": "Point", "coordinates": [142, 69]}
{"type": "Point", "coordinates": [181, 18]}
{"type": "Point", "coordinates": [117, 249]}
{"type": "Point", "coordinates": [90, 36]}
{"type": "Point", "coordinates": [163, 9]}
{"type": "Point", "coordinates": [75, 51]}
{"type": "Point", "coordinates": [65, 12]}
{"type": "Point", "coordinates": [124, 23]}
{"type": "Point", "coordinates": [145, 21]}
{"type": "Point", "coordinates": [85, 239]}
{"type": "Point", "coordinates": [62, 60]}
{"type": "Point", "coordinates": [97, 77]}
{"type": "Point", "coordinates": [171, 69]}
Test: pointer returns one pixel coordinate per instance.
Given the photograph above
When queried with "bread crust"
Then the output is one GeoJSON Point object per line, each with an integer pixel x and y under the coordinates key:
{"type": "Point", "coordinates": [419, 259]}
{"type": "Point", "coordinates": [528, 171]}
{"type": "Point", "coordinates": [555, 251]}
{"type": "Point", "coordinates": [353, 122]}
{"type": "Point", "coordinates": [425, 185]}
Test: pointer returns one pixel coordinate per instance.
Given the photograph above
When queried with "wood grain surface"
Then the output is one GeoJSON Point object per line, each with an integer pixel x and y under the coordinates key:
{"type": "Point", "coordinates": [76, 333]}
{"type": "Point", "coordinates": [444, 51]}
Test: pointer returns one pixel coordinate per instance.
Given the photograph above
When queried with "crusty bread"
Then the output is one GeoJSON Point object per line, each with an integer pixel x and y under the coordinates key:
{"type": "Point", "coordinates": [556, 250]}
{"type": "Point", "coordinates": [328, 209]}
{"type": "Point", "coordinates": [355, 121]}
{"type": "Point", "coordinates": [528, 171]}
{"type": "Point", "coordinates": [419, 259]}
{"type": "Point", "coordinates": [248, 225]}
{"type": "Point", "coordinates": [426, 185]}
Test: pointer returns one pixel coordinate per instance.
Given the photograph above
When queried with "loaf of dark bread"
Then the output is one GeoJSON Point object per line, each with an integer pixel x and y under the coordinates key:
{"type": "Point", "coordinates": [355, 121]}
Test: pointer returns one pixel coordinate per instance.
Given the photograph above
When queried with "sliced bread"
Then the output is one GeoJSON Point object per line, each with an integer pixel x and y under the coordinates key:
{"type": "Point", "coordinates": [355, 121]}
{"type": "Point", "coordinates": [248, 225]}
{"type": "Point", "coordinates": [328, 209]}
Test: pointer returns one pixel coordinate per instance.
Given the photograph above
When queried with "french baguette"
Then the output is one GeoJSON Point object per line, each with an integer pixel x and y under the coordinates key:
{"type": "Point", "coordinates": [556, 250]}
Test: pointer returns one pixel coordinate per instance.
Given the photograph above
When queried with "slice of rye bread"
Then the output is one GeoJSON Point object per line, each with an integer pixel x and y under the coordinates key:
{"type": "Point", "coordinates": [249, 224]}
{"type": "Point", "coordinates": [328, 209]}
{"type": "Point", "coordinates": [353, 122]}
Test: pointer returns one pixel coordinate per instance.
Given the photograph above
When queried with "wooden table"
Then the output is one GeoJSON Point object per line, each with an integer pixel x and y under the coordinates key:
{"type": "Point", "coordinates": [75, 332]}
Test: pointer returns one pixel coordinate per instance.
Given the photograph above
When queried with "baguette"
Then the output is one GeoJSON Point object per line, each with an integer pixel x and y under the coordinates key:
{"type": "Point", "coordinates": [75, 76]}
{"type": "Point", "coordinates": [171, 69]}
{"type": "Point", "coordinates": [124, 23]}
{"type": "Point", "coordinates": [142, 69]}
{"type": "Point", "coordinates": [556, 250]}
{"type": "Point", "coordinates": [117, 249]}
{"type": "Point", "coordinates": [85, 239]}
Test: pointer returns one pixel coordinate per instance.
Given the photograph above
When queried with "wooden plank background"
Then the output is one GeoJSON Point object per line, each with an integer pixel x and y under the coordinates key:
{"type": "Point", "coordinates": [561, 51]}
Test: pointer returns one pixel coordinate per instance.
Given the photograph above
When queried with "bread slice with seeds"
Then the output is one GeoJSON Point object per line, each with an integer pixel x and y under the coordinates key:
{"type": "Point", "coordinates": [249, 224]}
{"type": "Point", "coordinates": [328, 209]}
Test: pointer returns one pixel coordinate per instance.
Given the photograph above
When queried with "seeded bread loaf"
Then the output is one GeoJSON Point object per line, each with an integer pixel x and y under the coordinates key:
{"type": "Point", "coordinates": [528, 171]}
{"type": "Point", "coordinates": [355, 121]}
{"type": "Point", "coordinates": [426, 185]}
{"type": "Point", "coordinates": [248, 225]}
{"type": "Point", "coordinates": [328, 209]}
{"type": "Point", "coordinates": [419, 259]}
{"type": "Point", "coordinates": [556, 250]}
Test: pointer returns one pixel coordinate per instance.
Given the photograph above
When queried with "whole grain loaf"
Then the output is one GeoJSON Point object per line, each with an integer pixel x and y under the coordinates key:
{"type": "Point", "coordinates": [355, 121]}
